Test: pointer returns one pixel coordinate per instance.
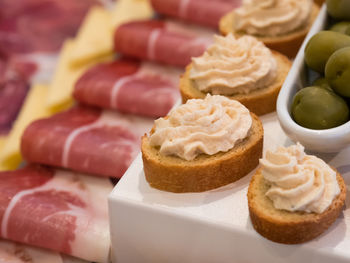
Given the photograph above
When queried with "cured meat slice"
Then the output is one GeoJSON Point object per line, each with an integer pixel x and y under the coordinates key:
{"type": "Point", "coordinates": [162, 41]}
{"type": "Point", "coordinates": [11, 252]}
{"type": "Point", "coordinates": [12, 95]}
{"type": "Point", "coordinates": [86, 139]}
{"type": "Point", "coordinates": [56, 209]}
{"type": "Point", "coordinates": [39, 25]}
{"type": "Point", "coordinates": [202, 12]}
{"type": "Point", "coordinates": [13, 89]}
{"type": "Point", "coordinates": [130, 86]}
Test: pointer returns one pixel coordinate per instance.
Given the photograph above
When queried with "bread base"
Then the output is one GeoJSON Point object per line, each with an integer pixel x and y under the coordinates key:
{"type": "Point", "coordinates": [289, 227]}
{"type": "Point", "coordinates": [288, 44]}
{"type": "Point", "coordinates": [260, 101]}
{"type": "Point", "coordinates": [205, 172]}
{"type": "Point", "coordinates": [319, 2]}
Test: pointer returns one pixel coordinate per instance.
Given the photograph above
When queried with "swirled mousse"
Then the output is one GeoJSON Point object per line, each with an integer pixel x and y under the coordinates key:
{"type": "Point", "coordinates": [202, 126]}
{"type": "Point", "coordinates": [234, 66]}
{"type": "Point", "coordinates": [299, 182]}
{"type": "Point", "coordinates": [272, 17]}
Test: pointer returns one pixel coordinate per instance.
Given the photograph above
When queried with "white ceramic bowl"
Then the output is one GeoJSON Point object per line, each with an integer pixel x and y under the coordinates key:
{"type": "Point", "coordinates": [329, 140]}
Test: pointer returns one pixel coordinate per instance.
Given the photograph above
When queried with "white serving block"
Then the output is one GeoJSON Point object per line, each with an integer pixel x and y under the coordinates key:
{"type": "Point", "coordinates": [149, 225]}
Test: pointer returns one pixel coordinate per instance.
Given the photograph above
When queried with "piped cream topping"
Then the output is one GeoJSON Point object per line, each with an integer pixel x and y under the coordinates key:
{"type": "Point", "coordinates": [214, 124]}
{"type": "Point", "coordinates": [299, 182]}
{"type": "Point", "coordinates": [234, 66]}
{"type": "Point", "coordinates": [272, 17]}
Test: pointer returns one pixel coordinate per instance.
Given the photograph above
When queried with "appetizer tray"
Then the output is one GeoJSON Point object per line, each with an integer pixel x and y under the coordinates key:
{"type": "Point", "coordinates": [149, 225]}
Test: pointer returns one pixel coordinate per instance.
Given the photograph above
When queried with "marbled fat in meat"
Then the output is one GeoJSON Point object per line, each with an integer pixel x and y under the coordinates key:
{"type": "Point", "coordinates": [130, 86]}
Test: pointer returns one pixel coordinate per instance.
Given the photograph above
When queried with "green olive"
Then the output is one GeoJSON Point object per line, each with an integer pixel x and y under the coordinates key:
{"type": "Point", "coordinates": [340, 27]}
{"type": "Point", "coordinates": [339, 9]}
{"type": "Point", "coordinates": [318, 108]}
{"type": "Point", "coordinates": [338, 71]}
{"type": "Point", "coordinates": [321, 46]}
{"type": "Point", "coordinates": [322, 83]}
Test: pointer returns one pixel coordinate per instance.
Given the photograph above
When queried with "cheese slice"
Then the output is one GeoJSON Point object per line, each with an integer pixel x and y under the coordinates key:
{"type": "Point", "coordinates": [33, 108]}
{"type": "Point", "coordinates": [65, 76]}
{"type": "Point", "coordinates": [128, 10]}
{"type": "Point", "coordinates": [95, 37]}
{"type": "Point", "coordinates": [2, 142]}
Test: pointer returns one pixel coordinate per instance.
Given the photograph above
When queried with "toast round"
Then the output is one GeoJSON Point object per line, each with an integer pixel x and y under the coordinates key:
{"type": "Point", "coordinates": [289, 227]}
{"type": "Point", "coordinates": [260, 101]}
{"type": "Point", "coordinates": [287, 44]}
{"type": "Point", "coordinates": [205, 172]}
{"type": "Point", "coordinates": [319, 2]}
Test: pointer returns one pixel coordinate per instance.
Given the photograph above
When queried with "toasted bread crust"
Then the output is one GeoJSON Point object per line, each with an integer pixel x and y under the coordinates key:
{"type": "Point", "coordinates": [260, 101]}
{"type": "Point", "coordinates": [319, 2]}
{"type": "Point", "coordinates": [289, 227]}
{"type": "Point", "coordinates": [173, 174]}
{"type": "Point", "coordinates": [288, 44]}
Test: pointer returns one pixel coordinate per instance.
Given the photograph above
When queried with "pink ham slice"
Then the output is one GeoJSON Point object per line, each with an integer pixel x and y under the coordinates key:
{"type": "Point", "coordinates": [130, 86]}
{"type": "Point", "coordinates": [86, 140]}
{"type": "Point", "coordinates": [11, 252]}
{"type": "Point", "coordinates": [56, 209]}
{"type": "Point", "coordinates": [160, 41]}
{"type": "Point", "coordinates": [202, 12]}
{"type": "Point", "coordinates": [39, 25]}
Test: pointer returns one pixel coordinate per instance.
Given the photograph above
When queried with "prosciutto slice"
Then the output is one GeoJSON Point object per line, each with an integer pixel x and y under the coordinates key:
{"type": "Point", "coordinates": [13, 90]}
{"type": "Point", "coordinates": [56, 209]}
{"type": "Point", "coordinates": [11, 252]}
{"type": "Point", "coordinates": [27, 26]}
{"type": "Point", "coordinates": [86, 139]}
{"type": "Point", "coordinates": [130, 86]}
{"type": "Point", "coordinates": [162, 41]}
{"type": "Point", "coordinates": [31, 31]}
{"type": "Point", "coordinates": [202, 12]}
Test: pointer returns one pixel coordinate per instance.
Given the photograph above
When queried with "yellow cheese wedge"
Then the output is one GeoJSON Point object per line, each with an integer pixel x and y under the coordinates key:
{"type": "Point", "coordinates": [128, 10]}
{"type": "Point", "coordinates": [63, 81]}
{"type": "Point", "coordinates": [2, 141]}
{"type": "Point", "coordinates": [95, 37]}
{"type": "Point", "coordinates": [33, 108]}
